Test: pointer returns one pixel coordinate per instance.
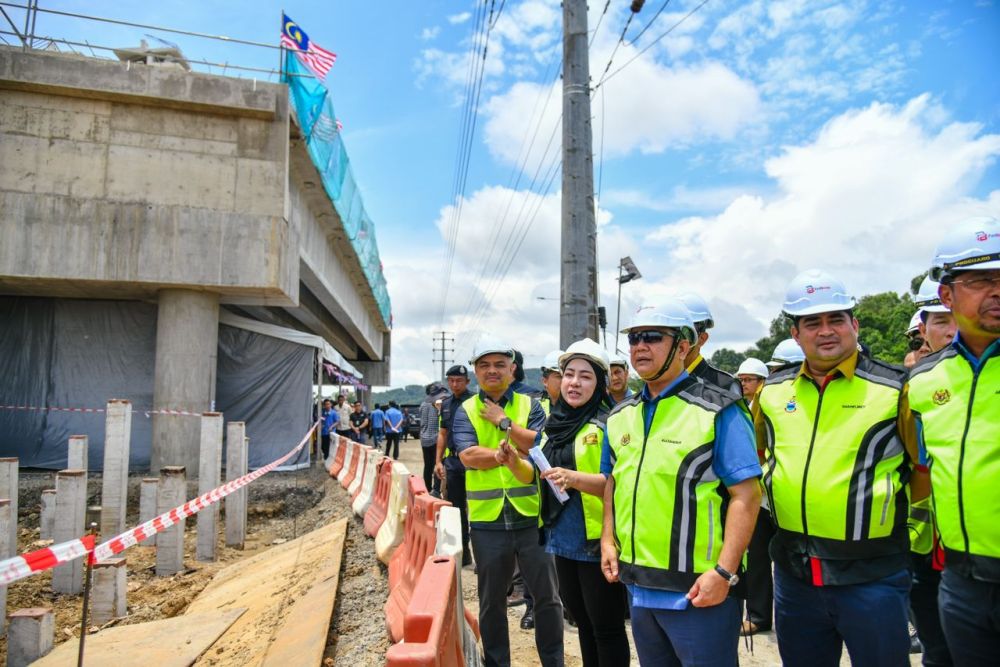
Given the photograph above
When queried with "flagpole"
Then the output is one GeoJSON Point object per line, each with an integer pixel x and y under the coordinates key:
{"type": "Point", "coordinates": [281, 50]}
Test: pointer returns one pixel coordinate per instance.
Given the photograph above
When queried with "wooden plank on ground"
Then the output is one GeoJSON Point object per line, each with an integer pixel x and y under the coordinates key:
{"type": "Point", "coordinates": [289, 592]}
{"type": "Point", "coordinates": [171, 642]}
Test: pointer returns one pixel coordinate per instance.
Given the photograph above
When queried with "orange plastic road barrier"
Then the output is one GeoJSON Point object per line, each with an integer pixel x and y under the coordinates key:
{"type": "Point", "coordinates": [338, 458]}
{"type": "Point", "coordinates": [380, 500]}
{"type": "Point", "coordinates": [359, 478]}
{"type": "Point", "coordinates": [430, 629]}
{"type": "Point", "coordinates": [353, 469]}
{"type": "Point", "coordinates": [409, 559]}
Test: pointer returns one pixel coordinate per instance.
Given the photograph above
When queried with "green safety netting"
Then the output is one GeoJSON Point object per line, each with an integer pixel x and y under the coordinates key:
{"type": "Point", "coordinates": [314, 110]}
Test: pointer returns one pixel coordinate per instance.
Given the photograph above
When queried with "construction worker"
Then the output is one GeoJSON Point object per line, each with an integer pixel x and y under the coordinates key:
{"type": "Point", "coordinates": [760, 585]}
{"type": "Point", "coordinates": [681, 498]}
{"type": "Point", "coordinates": [786, 352]}
{"type": "Point", "coordinates": [694, 362]}
{"type": "Point", "coordinates": [551, 380]}
{"type": "Point", "coordinates": [955, 393]}
{"type": "Point", "coordinates": [448, 467]}
{"type": "Point", "coordinates": [918, 348]}
{"type": "Point", "coordinates": [503, 508]}
{"type": "Point", "coordinates": [618, 389]}
{"type": "Point", "coordinates": [937, 326]}
{"type": "Point", "coordinates": [572, 446]}
{"type": "Point", "coordinates": [841, 447]}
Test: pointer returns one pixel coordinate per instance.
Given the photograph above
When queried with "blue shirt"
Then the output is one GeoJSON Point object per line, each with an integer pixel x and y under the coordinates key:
{"type": "Point", "coordinates": [734, 459]}
{"type": "Point", "coordinates": [377, 417]}
{"type": "Point", "coordinates": [567, 537]}
{"type": "Point", "coordinates": [393, 416]}
{"type": "Point", "coordinates": [329, 419]}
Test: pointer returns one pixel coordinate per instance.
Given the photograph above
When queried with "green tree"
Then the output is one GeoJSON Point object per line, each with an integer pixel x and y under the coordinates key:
{"type": "Point", "coordinates": [727, 360]}
{"type": "Point", "coordinates": [883, 319]}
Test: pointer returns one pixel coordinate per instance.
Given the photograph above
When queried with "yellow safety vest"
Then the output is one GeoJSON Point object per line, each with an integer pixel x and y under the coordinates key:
{"type": "Point", "coordinates": [669, 505]}
{"type": "Point", "coordinates": [836, 469]}
{"type": "Point", "coordinates": [959, 412]}
{"type": "Point", "coordinates": [486, 490]}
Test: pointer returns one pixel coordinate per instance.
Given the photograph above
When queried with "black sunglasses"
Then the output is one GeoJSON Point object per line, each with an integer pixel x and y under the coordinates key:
{"type": "Point", "coordinates": [648, 337]}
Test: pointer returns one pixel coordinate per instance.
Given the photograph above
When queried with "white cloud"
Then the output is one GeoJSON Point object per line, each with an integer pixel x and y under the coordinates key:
{"type": "Point", "coordinates": [647, 109]}
{"type": "Point", "coordinates": [427, 34]}
{"type": "Point", "coordinates": [867, 200]}
{"type": "Point", "coordinates": [457, 19]}
{"type": "Point", "coordinates": [681, 198]}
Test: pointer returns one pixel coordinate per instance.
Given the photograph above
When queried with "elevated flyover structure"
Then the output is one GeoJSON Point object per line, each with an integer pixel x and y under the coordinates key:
{"type": "Point", "coordinates": [172, 198]}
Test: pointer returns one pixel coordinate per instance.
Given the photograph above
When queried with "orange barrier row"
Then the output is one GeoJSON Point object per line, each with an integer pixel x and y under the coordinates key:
{"type": "Point", "coordinates": [380, 501]}
{"type": "Point", "coordinates": [338, 459]}
{"type": "Point", "coordinates": [430, 633]}
{"type": "Point", "coordinates": [359, 476]}
{"type": "Point", "coordinates": [406, 564]}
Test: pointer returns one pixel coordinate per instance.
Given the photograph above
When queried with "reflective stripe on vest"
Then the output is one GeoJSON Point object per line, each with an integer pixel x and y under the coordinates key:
{"type": "Point", "coordinates": [486, 489]}
{"type": "Point", "coordinates": [669, 506]}
{"type": "Point", "coordinates": [836, 469]}
{"type": "Point", "coordinates": [959, 413]}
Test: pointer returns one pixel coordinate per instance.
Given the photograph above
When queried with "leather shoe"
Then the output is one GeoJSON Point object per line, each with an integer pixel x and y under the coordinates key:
{"type": "Point", "coordinates": [751, 628]}
{"type": "Point", "coordinates": [528, 620]}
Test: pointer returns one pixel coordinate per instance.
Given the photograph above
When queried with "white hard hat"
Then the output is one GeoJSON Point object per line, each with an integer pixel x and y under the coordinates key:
{"type": "Point", "coordinates": [670, 314]}
{"type": "Point", "coordinates": [700, 313]}
{"type": "Point", "coordinates": [971, 244]}
{"type": "Point", "coordinates": [914, 325]}
{"type": "Point", "coordinates": [787, 352]}
{"type": "Point", "coordinates": [551, 361]}
{"type": "Point", "coordinates": [490, 345]}
{"type": "Point", "coordinates": [588, 349]}
{"type": "Point", "coordinates": [813, 292]}
{"type": "Point", "coordinates": [927, 298]}
{"type": "Point", "coordinates": [751, 366]}
{"type": "Point", "coordinates": [619, 361]}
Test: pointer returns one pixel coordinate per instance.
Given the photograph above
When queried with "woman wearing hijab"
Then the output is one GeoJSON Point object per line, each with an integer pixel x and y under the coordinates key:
{"type": "Point", "coordinates": [573, 436]}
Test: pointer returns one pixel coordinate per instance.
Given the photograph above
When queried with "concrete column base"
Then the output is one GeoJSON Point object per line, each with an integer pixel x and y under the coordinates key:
{"type": "Point", "coordinates": [109, 590]}
{"type": "Point", "coordinates": [32, 632]}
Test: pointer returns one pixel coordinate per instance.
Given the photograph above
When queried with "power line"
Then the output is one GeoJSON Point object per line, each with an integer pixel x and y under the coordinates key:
{"type": "Point", "coordinates": [598, 26]}
{"type": "Point", "coordinates": [649, 23]}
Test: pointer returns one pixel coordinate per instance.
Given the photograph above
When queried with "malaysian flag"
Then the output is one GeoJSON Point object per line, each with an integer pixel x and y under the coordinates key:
{"type": "Point", "coordinates": [312, 55]}
{"type": "Point", "coordinates": [326, 128]}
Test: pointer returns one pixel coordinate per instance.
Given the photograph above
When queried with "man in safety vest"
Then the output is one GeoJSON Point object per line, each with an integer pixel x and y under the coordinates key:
{"type": "Point", "coordinates": [937, 325]}
{"type": "Point", "coordinates": [503, 510]}
{"type": "Point", "coordinates": [955, 394]}
{"type": "Point", "coordinates": [681, 498]}
{"type": "Point", "coordinates": [618, 389]}
{"type": "Point", "coordinates": [551, 380]}
{"type": "Point", "coordinates": [694, 362]}
{"type": "Point", "coordinates": [840, 446]}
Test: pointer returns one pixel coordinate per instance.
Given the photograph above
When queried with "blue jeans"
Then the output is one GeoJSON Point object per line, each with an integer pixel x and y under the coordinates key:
{"type": "Point", "coordinates": [814, 622]}
{"type": "Point", "coordinates": [970, 616]}
{"type": "Point", "coordinates": [693, 636]}
{"type": "Point", "coordinates": [377, 435]}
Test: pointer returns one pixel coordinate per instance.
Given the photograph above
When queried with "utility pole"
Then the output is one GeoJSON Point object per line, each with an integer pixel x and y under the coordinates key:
{"type": "Point", "coordinates": [442, 337]}
{"type": "Point", "coordinates": [578, 289]}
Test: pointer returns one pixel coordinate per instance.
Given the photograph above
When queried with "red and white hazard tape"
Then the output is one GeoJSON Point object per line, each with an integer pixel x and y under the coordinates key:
{"type": "Point", "coordinates": [25, 565]}
{"type": "Point", "coordinates": [135, 535]}
{"type": "Point", "coordinates": [147, 412]}
{"type": "Point", "coordinates": [28, 564]}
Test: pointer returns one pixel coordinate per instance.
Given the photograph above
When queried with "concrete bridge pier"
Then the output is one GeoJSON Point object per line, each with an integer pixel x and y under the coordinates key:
{"type": "Point", "coordinates": [187, 336]}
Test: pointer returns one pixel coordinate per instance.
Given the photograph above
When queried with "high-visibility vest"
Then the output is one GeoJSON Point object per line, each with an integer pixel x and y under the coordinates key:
{"type": "Point", "coordinates": [587, 450]}
{"type": "Point", "coordinates": [836, 468]}
{"type": "Point", "coordinates": [546, 404]}
{"type": "Point", "coordinates": [486, 490]}
{"type": "Point", "coordinates": [959, 412]}
{"type": "Point", "coordinates": [669, 505]}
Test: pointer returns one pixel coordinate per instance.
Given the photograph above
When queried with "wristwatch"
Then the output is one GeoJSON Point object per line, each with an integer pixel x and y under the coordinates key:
{"type": "Point", "coordinates": [504, 424]}
{"type": "Point", "coordinates": [733, 579]}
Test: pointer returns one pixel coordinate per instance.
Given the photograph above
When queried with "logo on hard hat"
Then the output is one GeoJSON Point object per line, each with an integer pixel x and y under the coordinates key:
{"type": "Point", "coordinates": [941, 396]}
{"type": "Point", "coordinates": [812, 290]}
{"type": "Point", "coordinates": [985, 236]}
{"type": "Point", "coordinates": [790, 406]}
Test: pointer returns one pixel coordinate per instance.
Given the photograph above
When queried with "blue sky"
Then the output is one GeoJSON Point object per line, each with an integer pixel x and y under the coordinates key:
{"type": "Point", "coordinates": [756, 140]}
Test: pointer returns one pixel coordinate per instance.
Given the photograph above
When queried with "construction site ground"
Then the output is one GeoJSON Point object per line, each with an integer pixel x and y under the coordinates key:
{"type": "Point", "coordinates": [282, 507]}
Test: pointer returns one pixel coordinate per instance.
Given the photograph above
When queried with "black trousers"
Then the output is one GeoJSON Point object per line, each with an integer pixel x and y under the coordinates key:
{"type": "Point", "coordinates": [429, 455]}
{"type": "Point", "coordinates": [324, 445]}
{"type": "Point", "coordinates": [760, 585]}
{"type": "Point", "coordinates": [598, 607]}
{"type": "Point", "coordinates": [496, 551]}
{"type": "Point", "coordinates": [924, 608]}
{"type": "Point", "coordinates": [392, 441]}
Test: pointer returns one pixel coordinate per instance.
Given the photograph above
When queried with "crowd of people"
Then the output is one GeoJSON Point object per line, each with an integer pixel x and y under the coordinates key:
{"type": "Point", "coordinates": [825, 494]}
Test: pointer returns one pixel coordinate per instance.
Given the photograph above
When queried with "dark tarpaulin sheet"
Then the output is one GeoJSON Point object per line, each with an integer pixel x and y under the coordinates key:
{"type": "Point", "coordinates": [69, 353]}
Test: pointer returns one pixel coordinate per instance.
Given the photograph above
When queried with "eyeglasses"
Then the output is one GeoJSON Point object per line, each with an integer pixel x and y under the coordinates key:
{"type": "Point", "coordinates": [648, 337]}
{"type": "Point", "coordinates": [979, 284]}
